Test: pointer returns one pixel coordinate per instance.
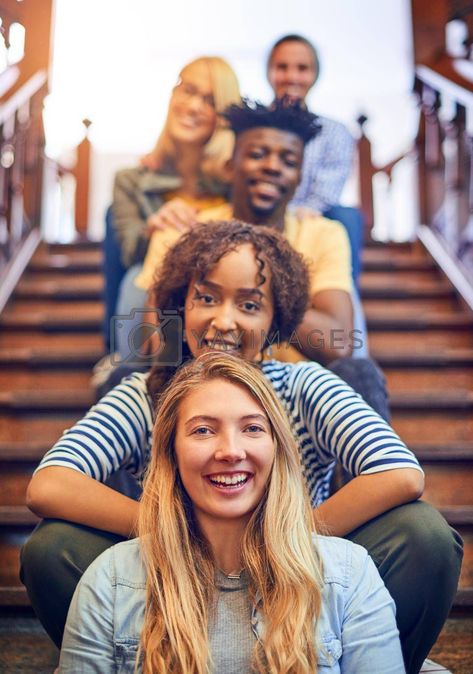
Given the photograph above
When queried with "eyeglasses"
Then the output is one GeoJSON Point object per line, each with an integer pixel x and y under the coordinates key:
{"type": "Point", "coordinates": [186, 91]}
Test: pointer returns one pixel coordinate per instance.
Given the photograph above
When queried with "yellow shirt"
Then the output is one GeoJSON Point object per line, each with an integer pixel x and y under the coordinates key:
{"type": "Point", "coordinates": [323, 243]}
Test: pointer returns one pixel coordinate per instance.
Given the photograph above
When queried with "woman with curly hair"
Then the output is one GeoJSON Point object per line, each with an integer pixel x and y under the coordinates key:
{"type": "Point", "coordinates": [234, 287]}
{"type": "Point", "coordinates": [225, 575]}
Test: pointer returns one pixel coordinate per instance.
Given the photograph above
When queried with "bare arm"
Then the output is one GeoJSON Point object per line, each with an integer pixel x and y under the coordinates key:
{"type": "Point", "coordinates": [325, 332]}
{"type": "Point", "coordinates": [367, 496]}
{"type": "Point", "coordinates": [67, 494]}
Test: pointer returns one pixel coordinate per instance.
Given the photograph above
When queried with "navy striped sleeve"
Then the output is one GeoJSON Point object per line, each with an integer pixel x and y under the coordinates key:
{"type": "Point", "coordinates": [114, 434]}
{"type": "Point", "coordinates": [331, 422]}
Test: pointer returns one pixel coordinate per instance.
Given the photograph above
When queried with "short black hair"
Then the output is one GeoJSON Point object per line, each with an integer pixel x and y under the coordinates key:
{"type": "Point", "coordinates": [295, 37]}
{"type": "Point", "coordinates": [282, 114]}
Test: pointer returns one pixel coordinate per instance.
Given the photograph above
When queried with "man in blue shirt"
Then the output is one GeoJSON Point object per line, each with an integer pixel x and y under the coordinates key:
{"type": "Point", "coordinates": [293, 69]}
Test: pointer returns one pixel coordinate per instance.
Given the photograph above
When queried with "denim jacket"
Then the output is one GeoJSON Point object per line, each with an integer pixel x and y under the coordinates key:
{"type": "Point", "coordinates": [356, 632]}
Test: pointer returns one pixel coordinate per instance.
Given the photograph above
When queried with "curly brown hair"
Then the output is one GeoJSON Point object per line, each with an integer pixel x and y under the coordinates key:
{"type": "Point", "coordinates": [201, 248]}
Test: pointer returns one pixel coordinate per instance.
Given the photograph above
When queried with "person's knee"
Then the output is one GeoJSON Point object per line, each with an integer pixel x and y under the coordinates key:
{"type": "Point", "coordinates": [430, 544]}
{"type": "Point", "coordinates": [40, 555]}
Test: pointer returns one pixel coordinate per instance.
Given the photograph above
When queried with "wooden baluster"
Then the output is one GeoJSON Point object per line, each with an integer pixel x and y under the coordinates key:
{"type": "Point", "coordinates": [434, 161]}
{"type": "Point", "coordinates": [365, 173]}
{"type": "Point", "coordinates": [34, 159]}
{"type": "Point", "coordinates": [420, 142]}
{"type": "Point", "coordinates": [82, 175]}
{"type": "Point", "coordinates": [18, 167]}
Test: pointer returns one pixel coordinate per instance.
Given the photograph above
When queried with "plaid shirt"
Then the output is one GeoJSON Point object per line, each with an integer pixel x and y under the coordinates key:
{"type": "Point", "coordinates": [327, 165]}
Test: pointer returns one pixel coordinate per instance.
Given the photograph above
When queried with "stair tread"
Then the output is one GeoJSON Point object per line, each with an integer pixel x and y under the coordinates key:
{"type": "Point", "coordinates": [62, 287]}
{"type": "Point", "coordinates": [406, 292]}
{"type": "Point", "coordinates": [446, 399]}
{"type": "Point", "coordinates": [434, 357]}
{"type": "Point", "coordinates": [377, 320]}
{"type": "Point", "coordinates": [47, 400]}
{"type": "Point", "coordinates": [458, 515]}
{"type": "Point", "coordinates": [26, 451]}
{"type": "Point", "coordinates": [46, 320]}
{"type": "Point", "coordinates": [67, 262]}
{"type": "Point", "coordinates": [17, 515]}
{"type": "Point", "coordinates": [34, 356]}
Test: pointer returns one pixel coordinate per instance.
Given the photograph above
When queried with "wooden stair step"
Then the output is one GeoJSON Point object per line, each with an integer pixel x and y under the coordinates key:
{"type": "Point", "coordinates": [429, 451]}
{"type": "Point", "coordinates": [435, 358]}
{"type": "Point", "coordinates": [427, 305]}
{"type": "Point", "coordinates": [421, 380]}
{"type": "Point", "coordinates": [17, 516]}
{"type": "Point", "coordinates": [25, 378]}
{"type": "Point", "coordinates": [86, 309]}
{"type": "Point", "coordinates": [374, 259]}
{"type": "Point", "coordinates": [447, 426]}
{"type": "Point", "coordinates": [74, 261]}
{"type": "Point", "coordinates": [407, 278]}
{"type": "Point", "coordinates": [28, 424]}
{"type": "Point", "coordinates": [46, 321]}
{"type": "Point", "coordinates": [425, 321]}
{"type": "Point", "coordinates": [448, 483]}
{"type": "Point", "coordinates": [14, 596]}
{"type": "Point", "coordinates": [438, 400]}
{"type": "Point", "coordinates": [26, 451]}
{"type": "Point", "coordinates": [63, 356]}
{"type": "Point", "coordinates": [458, 515]}
{"type": "Point", "coordinates": [464, 598]}
{"type": "Point", "coordinates": [407, 293]}
{"type": "Point", "coordinates": [46, 400]}
{"type": "Point", "coordinates": [61, 288]}
{"type": "Point", "coordinates": [16, 476]}
{"type": "Point", "coordinates": [393, 247]}
{"type": "Point", "coordinates": [51, 340]}
{"type": "Point", "coordinates": [79, 244]}
{"type": "Point", "coordinates": [419, 341]}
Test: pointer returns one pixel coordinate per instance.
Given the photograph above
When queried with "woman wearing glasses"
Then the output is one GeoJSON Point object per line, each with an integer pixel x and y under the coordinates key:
{"type": "Point", "coordinates": [182, 175]}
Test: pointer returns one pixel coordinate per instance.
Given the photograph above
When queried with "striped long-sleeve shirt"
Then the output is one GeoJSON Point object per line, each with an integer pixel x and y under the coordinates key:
{"type": "Point", "coordinates": [329, 420]}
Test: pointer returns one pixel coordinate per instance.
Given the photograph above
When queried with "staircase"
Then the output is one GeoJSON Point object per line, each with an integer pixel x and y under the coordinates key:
{"type": "Point", "coordinates": [421, 335]}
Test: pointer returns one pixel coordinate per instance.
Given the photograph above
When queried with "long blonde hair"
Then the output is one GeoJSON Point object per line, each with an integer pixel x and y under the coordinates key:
{"type": "Point", "coordinates": [219, 147]}
{"type": "Point", "coordinates": [277, 549]}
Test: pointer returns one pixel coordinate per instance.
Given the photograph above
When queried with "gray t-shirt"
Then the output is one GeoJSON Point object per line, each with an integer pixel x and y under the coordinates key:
{"type": "Point", "coordinates": [231, 638]}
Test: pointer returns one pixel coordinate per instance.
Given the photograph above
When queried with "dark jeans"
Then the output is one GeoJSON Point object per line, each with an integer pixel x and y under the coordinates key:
{"type": "Point", "coordinates": [113, 271]}
{"type": "Point", "coordinates": [418, 556]}
{"type": "Point", "coordinates": [366, 378]}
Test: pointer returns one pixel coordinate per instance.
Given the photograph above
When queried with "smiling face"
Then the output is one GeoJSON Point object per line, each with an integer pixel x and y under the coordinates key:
{"type": "Point", "coordinates": [292, 70]}
{"type": "Point", "coordinates": [230, 309]}
{"type": "Point", "coordinates": [266, 169]}
{"type": "Point", "coordinates": [224, 450]}
{"type": "Point", "coordinates": [192, 116]}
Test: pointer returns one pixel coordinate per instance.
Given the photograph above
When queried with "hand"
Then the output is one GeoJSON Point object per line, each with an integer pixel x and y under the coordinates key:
{"type": "Point", "coordinates": [175, 213]}
{"type": "Point", "coordinates": [149, 161]}
{"type": "Point", "coordinates": [302, 212]}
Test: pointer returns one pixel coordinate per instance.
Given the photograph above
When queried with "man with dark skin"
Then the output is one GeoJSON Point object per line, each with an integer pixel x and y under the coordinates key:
{"type": "Point", "coordinates": [264, 172]}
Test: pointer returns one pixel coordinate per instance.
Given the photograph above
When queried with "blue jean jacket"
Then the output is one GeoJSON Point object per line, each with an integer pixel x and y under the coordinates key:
{"type": "Point", "coordinates": [356, 632]}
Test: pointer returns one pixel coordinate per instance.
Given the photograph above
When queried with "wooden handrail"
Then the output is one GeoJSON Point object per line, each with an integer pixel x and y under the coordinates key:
{"type": "Point", "coordinates": [460, 89]}
{"type": "Point", "coordinates": [23, 95]}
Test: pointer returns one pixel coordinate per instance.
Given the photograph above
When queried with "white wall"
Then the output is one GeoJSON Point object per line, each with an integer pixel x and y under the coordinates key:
{"type": "Point", "coordinates": [115, 62]}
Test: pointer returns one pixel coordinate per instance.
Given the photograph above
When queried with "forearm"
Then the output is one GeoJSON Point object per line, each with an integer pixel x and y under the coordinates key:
{"type": "Point", "coordinates": [67, 494]}
{"type": "Point", "coordinates": [367, 496]}
{"type": "Point", "coordinates": [323, 338]}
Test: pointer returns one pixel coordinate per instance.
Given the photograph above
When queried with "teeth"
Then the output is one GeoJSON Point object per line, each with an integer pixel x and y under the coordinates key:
{"type": "Point", "coordinates": [229, 479]}
{"type": "Point", "coordinates": [219, 346]}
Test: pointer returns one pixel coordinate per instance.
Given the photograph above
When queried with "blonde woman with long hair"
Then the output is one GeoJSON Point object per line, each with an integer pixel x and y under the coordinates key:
{"type": "Point", "coordinates": [182, 176]}
{"type": "Point", "coordinates": [226, 575]}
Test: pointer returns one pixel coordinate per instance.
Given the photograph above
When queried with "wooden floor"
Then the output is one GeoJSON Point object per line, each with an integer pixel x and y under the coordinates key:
{"type": "Point", "coordinates": [50, 337]}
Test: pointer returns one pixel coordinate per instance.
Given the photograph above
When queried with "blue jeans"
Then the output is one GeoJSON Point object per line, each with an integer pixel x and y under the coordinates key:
{"type": "Point", "coordinates": [352, 220]}
{"type": "Point", "coordinates": [130, 305]}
